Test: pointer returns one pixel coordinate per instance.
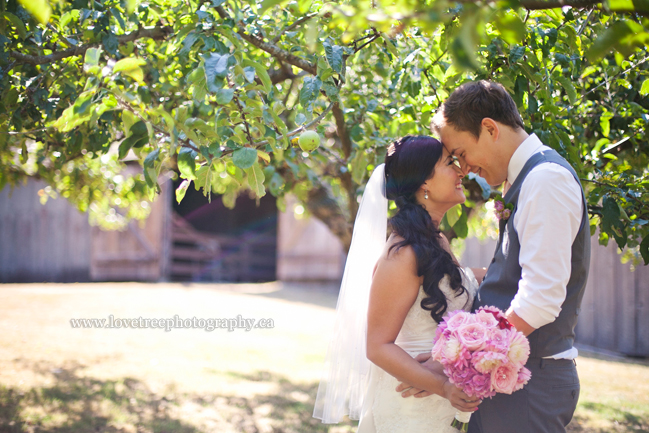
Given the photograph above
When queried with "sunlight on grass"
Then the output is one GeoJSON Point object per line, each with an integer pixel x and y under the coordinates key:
{"type": "Point", "coordinates": [57, 379]}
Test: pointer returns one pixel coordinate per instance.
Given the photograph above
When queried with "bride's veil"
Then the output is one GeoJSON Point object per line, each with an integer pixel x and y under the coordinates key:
{"type": "Point", "coordinates": [346, 371]}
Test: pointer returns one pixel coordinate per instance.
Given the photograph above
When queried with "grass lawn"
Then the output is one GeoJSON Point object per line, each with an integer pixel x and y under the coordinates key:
{"type": "Point", "coordinates": [55, 378]}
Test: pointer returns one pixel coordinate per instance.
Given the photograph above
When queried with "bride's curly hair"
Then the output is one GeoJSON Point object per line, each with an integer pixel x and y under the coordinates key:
{"type": "Point", "coordinates": [409, 162]}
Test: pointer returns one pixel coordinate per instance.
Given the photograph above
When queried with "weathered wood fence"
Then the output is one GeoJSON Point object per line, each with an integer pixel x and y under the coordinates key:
{"type": "Point", "coordinates": [615, 311]}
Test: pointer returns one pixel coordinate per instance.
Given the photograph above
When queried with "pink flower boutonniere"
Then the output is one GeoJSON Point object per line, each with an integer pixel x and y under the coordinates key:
{"type": "Point", "coordinates": [503, 211]}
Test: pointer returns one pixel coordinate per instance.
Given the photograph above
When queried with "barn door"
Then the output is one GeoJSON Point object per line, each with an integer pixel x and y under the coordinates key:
{"type": "Point", "coordinates": [138, 253]}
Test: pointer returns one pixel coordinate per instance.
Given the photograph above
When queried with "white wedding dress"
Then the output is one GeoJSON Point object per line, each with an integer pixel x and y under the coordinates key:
{"type": "Point", "coordinates": [384, 410]}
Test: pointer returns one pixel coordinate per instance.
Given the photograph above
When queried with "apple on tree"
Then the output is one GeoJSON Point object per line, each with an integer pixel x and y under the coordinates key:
{"type": "Point", "coordinates": [309, 141]}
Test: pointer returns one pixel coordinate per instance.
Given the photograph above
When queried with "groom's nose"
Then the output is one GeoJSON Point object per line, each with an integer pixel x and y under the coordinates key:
{"type": "Point", "coordinates": [466, 168]}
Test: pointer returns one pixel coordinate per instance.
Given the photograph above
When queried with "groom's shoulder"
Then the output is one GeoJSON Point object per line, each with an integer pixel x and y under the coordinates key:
{"type": "Point", "coordinates": [551, 178]}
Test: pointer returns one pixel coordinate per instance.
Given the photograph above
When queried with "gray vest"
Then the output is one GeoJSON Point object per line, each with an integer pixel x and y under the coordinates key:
{"type": "Point", "coordinates": [501, 282]}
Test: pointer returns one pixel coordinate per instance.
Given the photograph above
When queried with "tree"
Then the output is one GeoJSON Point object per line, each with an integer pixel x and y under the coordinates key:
{"type": "Point", "coordinates": [218, 91]}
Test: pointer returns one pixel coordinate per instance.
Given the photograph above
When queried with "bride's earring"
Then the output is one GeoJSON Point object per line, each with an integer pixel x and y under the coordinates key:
{"type": "Point", "coordinates": [426, 194]}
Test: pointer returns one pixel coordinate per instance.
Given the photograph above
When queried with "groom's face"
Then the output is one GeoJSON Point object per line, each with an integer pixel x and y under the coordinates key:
{"type": "Point", "coordinates": [476, 155]}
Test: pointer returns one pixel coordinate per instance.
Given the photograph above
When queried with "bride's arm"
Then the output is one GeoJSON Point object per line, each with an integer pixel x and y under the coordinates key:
{"type": "Point", "coordinates": [394, 289]}
{"type": "Point", "coordinates": [479, 273]}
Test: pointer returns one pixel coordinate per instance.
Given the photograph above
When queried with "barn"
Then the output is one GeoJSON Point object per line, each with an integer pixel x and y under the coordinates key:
{"type": "Point", "coordinates": [202, 241]}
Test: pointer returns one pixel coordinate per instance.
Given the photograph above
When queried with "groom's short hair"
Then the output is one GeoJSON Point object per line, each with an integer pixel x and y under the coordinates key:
{"type": "Point", "coordinates": [472, 102]}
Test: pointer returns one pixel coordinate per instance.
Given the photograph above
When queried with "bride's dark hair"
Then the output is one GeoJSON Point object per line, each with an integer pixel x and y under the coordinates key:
{"type": "Point", "coordinates": [409, 162]}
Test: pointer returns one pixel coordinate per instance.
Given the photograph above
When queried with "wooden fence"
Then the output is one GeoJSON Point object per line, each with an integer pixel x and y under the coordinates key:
{"type": "Point", "coordinates": [42, 243]}
{"type": "Point", "coordinates": [615, 310]}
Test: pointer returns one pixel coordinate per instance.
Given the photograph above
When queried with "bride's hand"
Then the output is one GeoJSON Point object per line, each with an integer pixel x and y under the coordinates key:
{"type": "Point", "coordinates": [459, 400]}
{"type": "Point", "coordinates": [407, 390]}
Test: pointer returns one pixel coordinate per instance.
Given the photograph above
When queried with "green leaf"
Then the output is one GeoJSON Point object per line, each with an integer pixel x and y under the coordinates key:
{"type": "Point", "coordinates": [17, 24]}
{"type": "Point", "coordinates": [256, 180]}
{"type": "Point", "coordinates": [267, 4]}
{"type": "Point", "coordinates": [611, 39]}
{"type": "Point", "coordinates": [249, 74]}
{"type": "Point", "coordinates": [511, 27]}
{"type": "Point", "coordinates": [644, 91]}
{"type": "Point", "coordinates": [110, 43]}
{"type": "Point", "coordinates": [245, 157]}
{"type": "Point", "coordinates": [461, 227]}
{"type": "Point", "coordinates": [569, 88]}
{"type": "Point", "coordinates": [182, 189]}
{"type": "Point", "coordinates": [188, 43]}
{"type": "Point", "coordinates": [309, 91]}
{"type": "Point", "coordinates": [359, 166]}
{"type": "Point", "coordinates": [262, 73]}
{"type": "Point", "coordinates": [280, 125]}
{"type": "Point", "coordinates": [23, 153]}
{"type": "Point", "coordinates": [150, 173]}
{"type": "Point", "coordinates": [216, 68]}
{"type": "Point", "coordinates": [40, 9]}
{"type": "Point", "coordinates": [224, 96]}
{"type": "Point", "coordinates": [605, 123]}
{"type": "Point", "coordinates": [610, 213]}
{"type": "Point", "coordinates": [334, 56]}
{"type": "Point", "coordinates": [453, 214]}
{"type": "Point", "coordinates": [229, 199]}
{"type": "Point", "coordinates": [276, 184]}
{"type": "Point", "coordinates": [131, 67]}
{"type": "Point", "coordinates": [131, 5]}
{"type": "Point", "coordinates": [92, 57]}
{"type": "Point", "coordinates": [187, 163]}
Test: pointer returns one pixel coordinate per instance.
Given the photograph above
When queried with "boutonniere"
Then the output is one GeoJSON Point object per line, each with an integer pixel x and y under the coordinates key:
{"type": "Point", "coordinates": [503, 211]}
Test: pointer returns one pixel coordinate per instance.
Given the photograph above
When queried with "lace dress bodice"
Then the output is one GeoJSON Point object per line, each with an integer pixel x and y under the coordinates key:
{"type": "Point", "coordinates": [384, 410]}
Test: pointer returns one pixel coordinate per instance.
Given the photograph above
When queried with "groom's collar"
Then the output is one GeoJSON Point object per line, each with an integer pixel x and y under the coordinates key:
{"type": "Point", "coordinates": [527, 148]}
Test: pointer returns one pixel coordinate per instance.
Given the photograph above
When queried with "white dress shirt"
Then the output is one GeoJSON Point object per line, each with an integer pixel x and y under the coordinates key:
{"type": "Point", "coordinates": [547, 220]}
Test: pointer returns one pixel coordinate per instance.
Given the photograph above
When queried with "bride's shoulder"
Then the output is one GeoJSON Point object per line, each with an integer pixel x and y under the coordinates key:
{"type": "Point", "coordinates": [395, 251]}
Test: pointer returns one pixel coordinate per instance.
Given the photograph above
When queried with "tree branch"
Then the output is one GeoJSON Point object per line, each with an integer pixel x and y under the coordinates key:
{"type": "Point", "coordinates": [345, 178]}
{"type": "Point", "coordinates": [549, 4]}
{"type": "Point", "coordinates": [302, 20]}
{"type": "Point", "coordinates": [273, 50]}
{"type": "Point", "coordinates": [156, 33]}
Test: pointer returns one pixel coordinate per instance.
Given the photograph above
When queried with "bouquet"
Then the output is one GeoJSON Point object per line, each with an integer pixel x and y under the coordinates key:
{"type": "Point", "coordinates": [482, 354]}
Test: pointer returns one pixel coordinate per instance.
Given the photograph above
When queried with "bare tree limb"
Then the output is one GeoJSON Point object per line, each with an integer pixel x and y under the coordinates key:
{"type": "Point", "coordinates": [156, 33]}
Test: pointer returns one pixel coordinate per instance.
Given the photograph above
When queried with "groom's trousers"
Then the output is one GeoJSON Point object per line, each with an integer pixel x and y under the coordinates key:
{"type": "Point", "coordinates": [545, 405]}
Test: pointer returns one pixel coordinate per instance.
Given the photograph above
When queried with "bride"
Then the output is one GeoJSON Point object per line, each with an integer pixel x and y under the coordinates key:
{"type": "Point", "coordinates": [393, 295]}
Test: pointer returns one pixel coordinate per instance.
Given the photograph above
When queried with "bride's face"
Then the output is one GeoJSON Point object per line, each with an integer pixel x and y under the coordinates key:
{"type": "Point", "coordinates": [445, 187]}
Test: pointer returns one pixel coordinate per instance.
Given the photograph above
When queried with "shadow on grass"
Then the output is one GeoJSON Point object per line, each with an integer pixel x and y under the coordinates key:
{"type": "Point", "coordinates": [619, 421]}
{"type": "Point", "coordinates": [78, 404]}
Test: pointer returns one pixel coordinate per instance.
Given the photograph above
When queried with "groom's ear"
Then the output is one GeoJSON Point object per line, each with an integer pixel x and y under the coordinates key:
{"type": "Point", "coordinates": [490, 128]}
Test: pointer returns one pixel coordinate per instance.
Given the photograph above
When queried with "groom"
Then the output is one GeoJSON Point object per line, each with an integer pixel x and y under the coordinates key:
{"type": "Point", "coordinates": [539, 270]}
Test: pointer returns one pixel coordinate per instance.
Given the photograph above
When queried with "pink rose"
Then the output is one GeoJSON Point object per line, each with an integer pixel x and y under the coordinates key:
{"type": "Point", "coordinates": [473, 336]}
{"type": "Point", "coordinates": [451, 350]}
{"type": "Point", "coordinates": [486, 318]}
{"type": "Point", "coordinates": [519, 348]}
{"type": "Point", "coordinates": [460, 376]}
{"type": "Point", "coordinates": [498, 340]}
{"type": "Point", "coordinates": [499, 205]}
{"type": "Point", "coordinates": [486, 362]}
{"type": "Point", "coordinates": [504, 378]}
{"type": "Point", "coordinates": [456, 319]}
{"type": "Point", "coordinates": [438, 347]}
{"type": "Point", "coordinates": [506, 214]}
{"type": "Point", "coordinates": [481, 386]}
{"type": "Point", "coordinates": [524, 376]}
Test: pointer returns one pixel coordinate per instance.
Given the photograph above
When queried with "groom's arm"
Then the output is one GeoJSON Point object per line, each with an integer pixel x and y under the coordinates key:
{"type": "Point", "coordinates": [547, 221]}
{"type": "Point", "coordinates": [520, 324]}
